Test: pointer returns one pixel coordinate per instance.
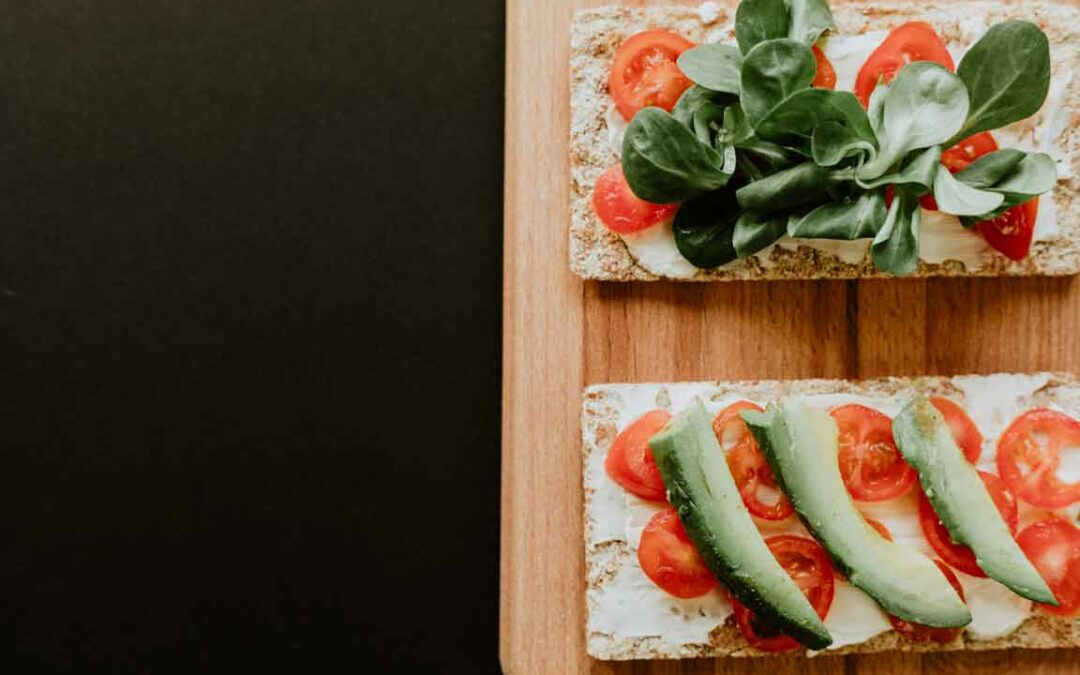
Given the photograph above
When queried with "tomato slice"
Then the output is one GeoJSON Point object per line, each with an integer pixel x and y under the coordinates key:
{"type": "Point", "coordinates": [645, 72]}
{"type": "Point", "coordinates": [825, 77]}
{"type": "Point", "coordinates": [1053, 546]}
{"type": "Point", "coordinates": [870, 463]}
{"type": "Point", "coordinates": [1012, 231]}
{"type": "Point", "coordinates": [751, 472]}
{"type": "Point", "coordinates": [964, 432]}
{"type": "Point", "coordinates": [809, 566]}
{"type": "Point", "coordinates": [670, 559]}
{"type": "Point", "coordinates": [959, 556]}
{"type": "Point", "coordinates": [1029, 455]}
{"type": "Point", "coordinates": [630, 462]}
{"type": "Point", "coordinates": [917, 632]}
{"type": "Point", "coordinates": [913, 41]}
{"type": "Point", "coordinates": [959, 157]}
{"type": "Point", "coordinates": [620, 210]}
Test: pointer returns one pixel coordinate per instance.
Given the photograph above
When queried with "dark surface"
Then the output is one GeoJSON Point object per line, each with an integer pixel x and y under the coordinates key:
{"type": "Point", "coordinates": [249, 334]}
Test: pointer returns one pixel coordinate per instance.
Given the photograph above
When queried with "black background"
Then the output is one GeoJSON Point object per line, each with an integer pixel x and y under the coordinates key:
{"type": "Point", "coordinates": [249, 334]}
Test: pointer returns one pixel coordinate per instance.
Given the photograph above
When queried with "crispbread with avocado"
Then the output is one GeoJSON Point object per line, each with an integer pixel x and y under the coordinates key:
{"type": "Point", "coordinates": [618, 625]}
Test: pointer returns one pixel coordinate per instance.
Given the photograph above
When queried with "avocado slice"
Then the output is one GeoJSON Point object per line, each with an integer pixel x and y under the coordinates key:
{"type": "Point", "coordinates": [800, 444]}
{"type": "Point", "coordinates": [960, 498]}
{"type": "Point", "coordinates": [701, 489]}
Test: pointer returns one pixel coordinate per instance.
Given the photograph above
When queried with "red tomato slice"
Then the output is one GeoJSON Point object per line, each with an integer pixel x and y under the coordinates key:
{"type": "Point", "coordinates": [1029, 454]}
{"type": "Point", "coordinates": [751, 472]}
{"type": "Point", "coordinates": [645, 72]}
{"type": "Point", "coordinates": [809, 566]}
{"type": "Point", "coordinates": [670, 559]}
{"type": "Point", "coordinates": [959, 556]}
{"type": "Point", "coordinates": [620, 210]}
{"type": "Point", "coordinates": [630, 462]}
{"type": "Point", "coordinates": [964, 431]}
{"type": "Point", "coordinates": [825, 77]}
{"type": "Point", "coordinates": [1011, 232]}
{"type": "Point", "coordinates": [870, 463]}
{"type": "Point", "coordinates": [917, 632]}
{"type": "Point", "coordinates": [1053, 546]}
{"type": "Point", "coordinates": [960, 156]}
{"type": "Point", "coordinates": [914, 41]}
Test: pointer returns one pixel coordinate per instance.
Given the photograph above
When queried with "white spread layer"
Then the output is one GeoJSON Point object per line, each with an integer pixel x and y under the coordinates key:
{"type": "Point", "coordinates": [632, 606]}
{"type": "Point", "coordinates": [942, 237]}
{"type": "Point", "coordinates": [654, 248]}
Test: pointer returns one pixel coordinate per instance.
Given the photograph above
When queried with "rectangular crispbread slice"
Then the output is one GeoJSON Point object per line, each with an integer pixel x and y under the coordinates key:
{"type": "Point", "coordinates": [611, 604]}
{"type": "Point", "coordinates": [597, 253]}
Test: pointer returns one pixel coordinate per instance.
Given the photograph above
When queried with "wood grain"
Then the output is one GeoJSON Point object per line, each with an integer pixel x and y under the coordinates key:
{"type": "Point", "coordinates": [561, 334]}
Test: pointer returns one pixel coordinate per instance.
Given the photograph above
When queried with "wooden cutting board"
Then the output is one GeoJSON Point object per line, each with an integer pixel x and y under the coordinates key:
{"type": "Point", "coordinates": [560, 334]}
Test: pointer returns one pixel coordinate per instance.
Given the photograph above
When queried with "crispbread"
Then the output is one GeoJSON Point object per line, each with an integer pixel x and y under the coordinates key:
{"type": "Point", "coordinates": [596, 253]}
{"type": "Point", "coordinates": [601, 409]}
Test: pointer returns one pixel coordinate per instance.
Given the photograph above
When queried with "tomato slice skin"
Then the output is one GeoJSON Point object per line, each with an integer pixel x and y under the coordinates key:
{"type": "Point", "coordinates": [1011, 232]}
{"type": "Point", "coordinates": [810, 567]}
{"type": "Point", "coordinates": [670, 559]}
{"type": "Point", "coordinates": [957, 555]}
{"type": "Point", "coordinates": [964, 432]}
{"type": "Point", "coordinates": [825, 77]}
{"type": "Point", "coordinates": [630, 462]}
{"type": "Point", "coordinates": [913, 41]}
{"type": "Point", "coordinates": [1053, 547]}
{"type": "Point", "coordinates": [1019, 448]}
{"type": "Point", "coordinates": [645, 72]}
{"type": "Point", "coordinates": [620, 210]}
{"type": "Point", "coordinates": [871, 465]}
{"type": "Point", "coordinates": [748, 466]}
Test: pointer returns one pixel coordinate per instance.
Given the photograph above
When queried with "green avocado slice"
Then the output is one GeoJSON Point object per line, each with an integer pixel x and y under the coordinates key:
{"type": "Point", "coordinates": [800, 445]}
{"type": "Point", "coordinates": [960, 498]}
{"type": "Point", "coordinates": [700, 487]}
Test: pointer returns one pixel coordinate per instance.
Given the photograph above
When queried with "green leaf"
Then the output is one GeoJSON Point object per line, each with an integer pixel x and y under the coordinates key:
{"type": "Point", "coordinates": [958, 198]}
{"type": "Point", "coordinates": [736, 125]}
{"type": "Point", "coordinates": [809, 19]}
{"type": "Point", "coordinates": [773, 71]}
{"type": "Point", "coordinates": [1007, 73]}
{"type": "Point", "coordinates": [695, 98]}
{"type": "Point", "coordinates": [704, 227]}
{"type": "Point", "coordinates": [896, 247]}
{"type": "Point", "coordinates": [792, 121]}
{"type": "Point", "coordinates": [875, 111]}
{"type": "Point", "coordinates": [925, 105]}
{"type": "Point", "coordinates": [1018, 176]}
{"type": "Point", "coordinates": [855, 219]}
{"type": "Point", "coordinates": [713, 66]}
{"type": "Point", "coordinates": [755, 232]}
{"type": "Point", "coordinates": [832, 142]}
{"type": "Point", "coordinates": [991, 167]}
{"type": "Point", "coordinates": [759, 20]}
{"type": "Point", "coordinates": [665, 162]}
{"type": "Point", "coordinates": [805, 183]}
{"type": "Point", "coordinates": [917, 174]}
